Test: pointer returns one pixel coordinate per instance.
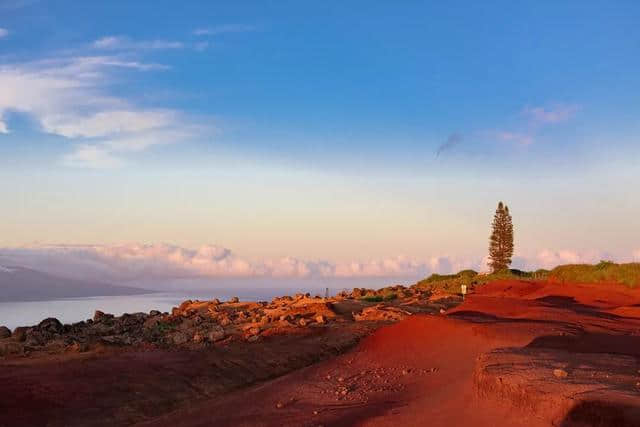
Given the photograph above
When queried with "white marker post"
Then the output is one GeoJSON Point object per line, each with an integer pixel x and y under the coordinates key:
{"type": "Point", "coordinates": [463, 290]}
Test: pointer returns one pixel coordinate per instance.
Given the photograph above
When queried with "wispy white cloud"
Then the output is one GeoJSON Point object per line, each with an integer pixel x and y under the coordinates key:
{"type": "Point", "coordinates": [537, 118]}
{"type": "Point", "coordinates": [125, 43]}
{"type": "Point", "coordinates": [91, 156]}
{"type": "Point", "coordinates": [3, 32]}
{"type": "Point", "coordinates": [550, 115]}
{"type": "Point", "coordinates": [70, 97]}
{"type": "Point", "coordinates": [222, 29]}
{"type": "Point", "coordinates": [518, 138]}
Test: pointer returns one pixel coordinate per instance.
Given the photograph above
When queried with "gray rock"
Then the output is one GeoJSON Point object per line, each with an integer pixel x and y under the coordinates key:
{"type": "Point", "coordinates": [4, 332]}
{"type": "Point", "coordinates": [51, 325]}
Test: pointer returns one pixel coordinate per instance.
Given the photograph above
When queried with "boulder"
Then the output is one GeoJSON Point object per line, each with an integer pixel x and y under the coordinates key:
{"type": "Point", "coordinates": [216, 333]}
{"type": "Point", "coordinates": [34, 338]}
{"type": "Point", "coordinates": [20, 333]}
{"type": "Point", "coordinates": [320, 318]}
{"type": "Point", "coordinates": [51, 325]}
{"type": "Point", "coordinates": [117, 340]}
{"type": "Point", "coordinates": [381, 312]}
{"type": "Point", "coordinates": [4, 332]}
{"type": "Point", "coordinates": [234, 300]}
{"type": "Point", "coordinates": [78, 347]}
{"type": "Point", "coordinates": [152, 322]}
{"type": "Point", "coordinates": [154, 313]}
{"type": "Point", "coordinates": [100, 316]}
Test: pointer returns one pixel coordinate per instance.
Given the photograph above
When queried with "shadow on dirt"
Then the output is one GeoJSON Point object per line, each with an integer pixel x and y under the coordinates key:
{"type": "Point", "coordinates": [595, 413]}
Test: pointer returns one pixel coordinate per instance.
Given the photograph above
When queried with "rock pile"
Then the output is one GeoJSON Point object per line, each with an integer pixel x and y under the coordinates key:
{"type": "Point", "coordinates": [201, 323]}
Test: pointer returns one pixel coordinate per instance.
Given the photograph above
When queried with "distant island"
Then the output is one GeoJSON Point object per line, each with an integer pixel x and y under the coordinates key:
{"type": "Point", "coordinates": [24, 284]}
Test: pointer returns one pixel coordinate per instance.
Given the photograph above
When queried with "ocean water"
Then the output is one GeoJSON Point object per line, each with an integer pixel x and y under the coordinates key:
{"type": "Point", "coordinates": [69, 310]}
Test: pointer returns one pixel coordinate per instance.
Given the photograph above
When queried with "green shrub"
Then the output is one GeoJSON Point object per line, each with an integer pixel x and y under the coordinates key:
{"type": "Point", "coordinates": [604, 271]}
{"type": "Point", "coordinates": [372, 298]}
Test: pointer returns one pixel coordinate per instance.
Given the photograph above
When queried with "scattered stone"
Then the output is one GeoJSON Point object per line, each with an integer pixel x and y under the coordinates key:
{"type": "Point", "coordinates": [320, 319]}
{"type": "Point", "coordinates": [179, 338]}
{"type": "Point", "coordinates": [154, 313]}
{"type": "Point", "coordinates": [560, 373]}
{"type": "Point", "coordinates": [279, 405]}
{"type": "Point", "coordinates": [234, 300]}
{"type": "Point", "coordinates": [79, 347]}
{"type": "Point", "coordinates": [10, 347]}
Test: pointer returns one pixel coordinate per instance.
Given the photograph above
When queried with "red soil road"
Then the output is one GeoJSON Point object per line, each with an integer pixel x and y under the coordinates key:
{"type": "Point", "coordinates": [427, 370]}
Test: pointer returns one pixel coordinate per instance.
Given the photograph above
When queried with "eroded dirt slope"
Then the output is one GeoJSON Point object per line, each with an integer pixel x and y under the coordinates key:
{"type": "Point", "coordinates": [514, 354]}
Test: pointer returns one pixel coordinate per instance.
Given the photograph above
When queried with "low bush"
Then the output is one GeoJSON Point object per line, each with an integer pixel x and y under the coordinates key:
{"type": "Point", "coordinates": [604, 271]}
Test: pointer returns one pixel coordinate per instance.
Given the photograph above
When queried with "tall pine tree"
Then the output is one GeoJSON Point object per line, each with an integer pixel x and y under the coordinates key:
{"type": "Point", "coordinates": [501, 240]}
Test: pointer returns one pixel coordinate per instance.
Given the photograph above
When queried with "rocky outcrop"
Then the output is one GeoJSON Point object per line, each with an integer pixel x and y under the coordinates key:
{"type": "Point", "coordinates": [383, 313]}
{"type": "Point", "coordinates": [204, 323]}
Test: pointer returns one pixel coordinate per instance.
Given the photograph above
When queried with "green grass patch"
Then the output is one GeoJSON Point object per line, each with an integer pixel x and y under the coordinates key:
{"type": "Point", "coordinates": [453, 282]}
{"type": "Point", "coordinates": [604, 271]}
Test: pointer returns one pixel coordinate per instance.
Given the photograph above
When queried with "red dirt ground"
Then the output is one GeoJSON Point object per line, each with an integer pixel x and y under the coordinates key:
{"type": "Point", "coordinates": [432, 370]}
{"type": "Point", "coordinates": [488, 362]}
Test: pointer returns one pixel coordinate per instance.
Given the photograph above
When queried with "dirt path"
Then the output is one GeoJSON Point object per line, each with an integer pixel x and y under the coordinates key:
{"type": "Point", "coordinates": [433, 370]}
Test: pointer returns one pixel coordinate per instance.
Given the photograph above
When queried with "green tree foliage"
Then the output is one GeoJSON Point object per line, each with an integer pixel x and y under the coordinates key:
{"type": "Point", "coordinates": [501, 239]}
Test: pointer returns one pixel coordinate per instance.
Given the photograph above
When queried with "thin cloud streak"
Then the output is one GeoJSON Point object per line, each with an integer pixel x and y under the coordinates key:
{"type": "Point", "coordinates": [125, 43]}
{"type": "Point", "coordinates": [222, 29]}
{"type": "Point", "coordinates": [551, 115]}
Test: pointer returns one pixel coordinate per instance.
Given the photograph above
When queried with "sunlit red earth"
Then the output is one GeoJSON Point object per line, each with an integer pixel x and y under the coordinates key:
{"type": "Point", "coordinates": [513, 354]}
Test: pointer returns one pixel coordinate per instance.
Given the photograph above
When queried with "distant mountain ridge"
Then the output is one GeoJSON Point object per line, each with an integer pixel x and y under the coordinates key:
{"type": "Point", "coordinates": [25, 284]}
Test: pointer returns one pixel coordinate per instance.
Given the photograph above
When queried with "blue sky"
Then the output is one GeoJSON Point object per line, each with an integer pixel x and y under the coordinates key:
{"type": "Point", "coordinates": [345, 132]}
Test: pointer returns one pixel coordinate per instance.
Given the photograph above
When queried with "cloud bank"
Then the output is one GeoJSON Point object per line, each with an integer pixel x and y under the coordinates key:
{"type": "Point", "coordinates": [127, 262]}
